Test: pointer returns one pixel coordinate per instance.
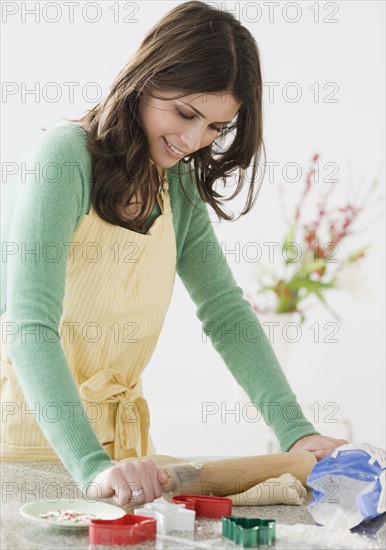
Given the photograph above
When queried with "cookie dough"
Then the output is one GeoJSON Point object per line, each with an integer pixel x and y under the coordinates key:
{"type": "Point", "coordinates": [285, 489]}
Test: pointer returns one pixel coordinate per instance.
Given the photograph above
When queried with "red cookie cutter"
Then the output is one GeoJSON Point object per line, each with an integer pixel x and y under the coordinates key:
{"type": "Point", "coordinates": [206, 506]}
{"type": "Point", "coordinates": [129, 529]}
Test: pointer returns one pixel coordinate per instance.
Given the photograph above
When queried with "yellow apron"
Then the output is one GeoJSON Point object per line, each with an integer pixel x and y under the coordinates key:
{"type": "Point", "coordinates": [119, 284]}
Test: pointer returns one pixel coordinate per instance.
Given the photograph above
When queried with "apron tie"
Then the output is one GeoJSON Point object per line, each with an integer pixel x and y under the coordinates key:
{"type": "Point", "coordinates": [108, 386]}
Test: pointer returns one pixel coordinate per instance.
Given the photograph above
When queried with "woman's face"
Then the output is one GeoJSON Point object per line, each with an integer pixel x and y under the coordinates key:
{"type": "Point", "coordinates": [188, 123]}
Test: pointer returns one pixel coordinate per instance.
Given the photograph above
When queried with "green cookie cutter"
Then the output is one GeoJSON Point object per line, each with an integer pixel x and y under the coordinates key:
{"type": "Point", "coordinates": [249, 532]}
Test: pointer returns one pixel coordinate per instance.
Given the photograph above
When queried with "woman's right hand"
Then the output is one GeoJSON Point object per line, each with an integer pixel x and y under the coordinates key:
{"type": "Point", "coordinates": [124, 477]}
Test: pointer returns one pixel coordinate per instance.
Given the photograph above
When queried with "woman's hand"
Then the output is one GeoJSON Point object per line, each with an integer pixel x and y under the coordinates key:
{"type": "Point", "coordinates": [319, 445]}
{"type": "Point", "coordinates": [126, 476]}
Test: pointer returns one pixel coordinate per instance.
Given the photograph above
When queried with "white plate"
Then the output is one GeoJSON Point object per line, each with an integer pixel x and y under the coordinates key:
{"type": "Point", "coordinates": [100, 509]}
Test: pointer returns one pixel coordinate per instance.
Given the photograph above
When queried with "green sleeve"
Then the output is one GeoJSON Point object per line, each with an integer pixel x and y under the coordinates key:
{"type": "Point", "coordinates": [47, 209]}
{"type": "Point", "coordinates": [225, 316]}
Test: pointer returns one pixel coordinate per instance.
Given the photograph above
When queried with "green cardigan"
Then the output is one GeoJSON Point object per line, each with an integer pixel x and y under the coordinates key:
{"type": "Point", "coordinates": [48, 206]}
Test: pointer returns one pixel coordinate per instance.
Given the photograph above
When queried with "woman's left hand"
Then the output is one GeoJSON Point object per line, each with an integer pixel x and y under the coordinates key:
{"type": "Point", "coordinates": [319, 445]}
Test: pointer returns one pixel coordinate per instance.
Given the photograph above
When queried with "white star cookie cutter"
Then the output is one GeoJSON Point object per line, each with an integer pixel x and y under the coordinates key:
{"type": "Point", "coordinates": [169, 517]}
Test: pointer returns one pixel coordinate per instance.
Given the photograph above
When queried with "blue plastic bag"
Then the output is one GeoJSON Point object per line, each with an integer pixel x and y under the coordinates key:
{"type": "Point", "coordinates": [352, 479]}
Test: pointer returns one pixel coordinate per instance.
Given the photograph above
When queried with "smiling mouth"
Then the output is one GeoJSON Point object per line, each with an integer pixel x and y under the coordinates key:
{"type": "Point", "coordinates": [174, 149]}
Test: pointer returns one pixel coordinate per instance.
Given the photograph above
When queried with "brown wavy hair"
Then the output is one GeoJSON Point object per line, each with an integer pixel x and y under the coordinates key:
{"type": "Point", "coordinates": [194, 48]}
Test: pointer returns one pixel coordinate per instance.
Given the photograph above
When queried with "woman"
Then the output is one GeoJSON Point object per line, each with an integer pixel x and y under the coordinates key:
{"type": "Point", "coordinates": [119, 209]}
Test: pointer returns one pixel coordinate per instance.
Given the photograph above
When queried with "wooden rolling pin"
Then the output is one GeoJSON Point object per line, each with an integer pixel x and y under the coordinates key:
{"type": "Point", "coordinates": [232, 475]}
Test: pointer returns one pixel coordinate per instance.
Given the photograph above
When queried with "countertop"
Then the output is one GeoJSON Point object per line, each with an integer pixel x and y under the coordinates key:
{"type": "Point", "coordinates": [33, 481]}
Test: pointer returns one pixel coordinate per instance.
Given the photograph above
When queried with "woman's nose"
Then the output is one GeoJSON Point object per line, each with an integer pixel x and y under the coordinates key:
{"type": "Point", "coordinates": [193, 138]}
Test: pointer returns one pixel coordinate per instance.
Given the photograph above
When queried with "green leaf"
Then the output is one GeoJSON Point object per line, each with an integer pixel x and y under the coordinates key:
{"type": "Point", "coordinates": [309, 267]}
{"type": "Point", "coordinates": [289, 238]}
{"type": "Point", "coordinates": [304, 282]}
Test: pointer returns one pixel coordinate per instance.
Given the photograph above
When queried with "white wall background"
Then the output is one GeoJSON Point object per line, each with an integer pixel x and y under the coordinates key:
{"type": "Point", "coordinates": [184, 372]}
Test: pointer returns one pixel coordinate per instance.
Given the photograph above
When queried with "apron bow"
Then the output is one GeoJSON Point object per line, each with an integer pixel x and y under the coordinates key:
{"type": "Point", "coordinates": [108, 385]}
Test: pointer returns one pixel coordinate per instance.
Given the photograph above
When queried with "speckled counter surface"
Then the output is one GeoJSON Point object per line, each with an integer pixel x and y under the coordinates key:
{"type": "Point", "coordinates": [23, 482]}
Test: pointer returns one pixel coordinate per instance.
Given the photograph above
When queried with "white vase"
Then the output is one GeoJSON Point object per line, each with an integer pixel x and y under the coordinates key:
{"type": "Point", "coordinates": [281, 330]}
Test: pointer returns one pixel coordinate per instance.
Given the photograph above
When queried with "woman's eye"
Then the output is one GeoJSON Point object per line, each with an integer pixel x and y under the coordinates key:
{"type": "Point", "coordinates": [217, 129]}
{"type": "Point", "coordinates": [184, 116]}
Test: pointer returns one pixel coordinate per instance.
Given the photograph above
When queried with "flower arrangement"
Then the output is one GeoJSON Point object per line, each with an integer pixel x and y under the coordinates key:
{"type": "Point", "coordinates": [310, 265]}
